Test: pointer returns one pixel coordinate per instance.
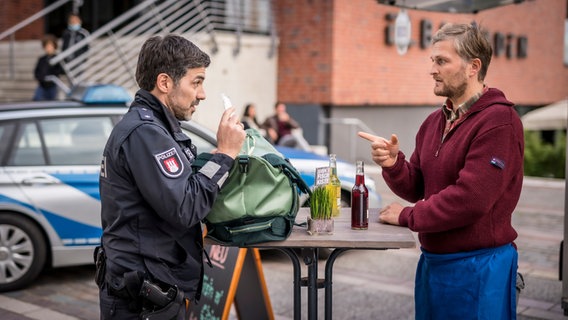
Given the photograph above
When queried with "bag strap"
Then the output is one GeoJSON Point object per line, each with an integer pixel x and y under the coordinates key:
{"type": "Point", "coordinates": [289, 170]}
{"type": "Point", "coordinates": [241, 159]}
{"type": "Point", "coordinates": [200, 161]}
{"type": "Point", "coordinates": [250, 143]}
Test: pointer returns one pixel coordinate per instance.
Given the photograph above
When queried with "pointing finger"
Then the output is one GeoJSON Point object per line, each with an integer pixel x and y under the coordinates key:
{"type": "Point", "coordinates": [368, 136]}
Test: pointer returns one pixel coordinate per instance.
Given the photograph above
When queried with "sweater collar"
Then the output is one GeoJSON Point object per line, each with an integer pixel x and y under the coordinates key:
{"type": "Point", "coordinates": [448, 107]}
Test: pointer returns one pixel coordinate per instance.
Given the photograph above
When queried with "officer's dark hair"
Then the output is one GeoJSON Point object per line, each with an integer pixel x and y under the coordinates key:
{"type": "Point", "coordinates": [170, 54]}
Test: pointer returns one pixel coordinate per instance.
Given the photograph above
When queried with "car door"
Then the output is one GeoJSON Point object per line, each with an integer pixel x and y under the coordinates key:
{"type": "Point", "coordinates": [55, 164]}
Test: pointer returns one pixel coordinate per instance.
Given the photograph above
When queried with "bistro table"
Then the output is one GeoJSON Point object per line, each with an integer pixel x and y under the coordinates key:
{"type": "Point", "coordinates": [379, 236]}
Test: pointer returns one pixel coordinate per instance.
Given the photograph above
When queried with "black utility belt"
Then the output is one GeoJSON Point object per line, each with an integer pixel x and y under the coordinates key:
{"type": "Point", "coordinates": [142, 295]}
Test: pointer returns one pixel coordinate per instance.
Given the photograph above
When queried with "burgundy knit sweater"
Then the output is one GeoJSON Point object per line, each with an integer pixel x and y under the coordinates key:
{"type": "Point", "coordinates": [465, 187]}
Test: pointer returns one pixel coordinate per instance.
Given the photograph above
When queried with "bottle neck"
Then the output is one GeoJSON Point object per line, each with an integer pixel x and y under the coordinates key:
{"type": "Point", "coordinates": [332, 165]}
{"type": "Point", "coordinates": [333, 171]}
{"type": "Point", "coordinates": [359, 179]}
{"type": "Point", "coordinates": [332, 161]}
{"type": "Point", "coordinates": [360, 174]}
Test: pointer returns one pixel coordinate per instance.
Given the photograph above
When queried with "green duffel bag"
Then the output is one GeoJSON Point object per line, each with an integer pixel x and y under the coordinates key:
{"type": "Point", "coordinates": [260, 199]}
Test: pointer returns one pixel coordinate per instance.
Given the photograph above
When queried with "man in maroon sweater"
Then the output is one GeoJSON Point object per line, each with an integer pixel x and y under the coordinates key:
{"type": "Point", "coordinates": [464, 178]}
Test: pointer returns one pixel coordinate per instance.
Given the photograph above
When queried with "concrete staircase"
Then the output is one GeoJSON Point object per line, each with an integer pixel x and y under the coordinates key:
{"type": "Point", "coordinates": [21, 85]}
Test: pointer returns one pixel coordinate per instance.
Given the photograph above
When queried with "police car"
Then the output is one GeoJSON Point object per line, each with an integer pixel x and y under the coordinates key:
{"type": "Point", "coordinates": [50, 155]}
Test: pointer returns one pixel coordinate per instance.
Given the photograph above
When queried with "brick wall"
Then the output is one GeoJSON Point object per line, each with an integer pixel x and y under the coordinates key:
{"type": "Point", "coordinates": [334, 52]}
{"type": "Point", "coordinates": [305, 50]}
{"type": "Point", "coordinates": [14, 11]}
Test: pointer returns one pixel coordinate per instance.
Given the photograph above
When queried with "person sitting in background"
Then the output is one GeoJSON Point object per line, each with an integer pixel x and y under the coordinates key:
{"type": "Point", "coordinates": [46, 89]}
{"type": "Point", "coordinates": [249, 120]}
{"type": "Point", "coordinates": [280, 126]}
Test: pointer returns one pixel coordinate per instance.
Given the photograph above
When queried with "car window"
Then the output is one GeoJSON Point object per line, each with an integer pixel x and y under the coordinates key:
{"type": "Point", "coordinates": [76, 141]}
{"type": "Point", "coordinates": [27, 150]}
{"type": "Point", "coordinates": [67, 141]}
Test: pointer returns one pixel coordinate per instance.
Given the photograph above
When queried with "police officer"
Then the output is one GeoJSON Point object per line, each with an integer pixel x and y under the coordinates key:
{"type": "Point", "coordinates": [152, 203]}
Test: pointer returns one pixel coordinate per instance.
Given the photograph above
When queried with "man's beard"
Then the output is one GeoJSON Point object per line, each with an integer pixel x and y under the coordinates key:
{"type": "Point", "coordinates": [183, 116]}
{"type": "Point", "coordinates": [452, 91]}
{"type": "Point", "coordinates": [181, 113]}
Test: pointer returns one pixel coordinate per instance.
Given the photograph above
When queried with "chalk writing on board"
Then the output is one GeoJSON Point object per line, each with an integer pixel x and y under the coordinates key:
{"type": "Point", "coordinates": [211, 294]}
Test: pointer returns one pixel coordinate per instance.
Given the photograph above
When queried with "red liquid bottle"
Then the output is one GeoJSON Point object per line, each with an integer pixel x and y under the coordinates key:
{"type": "Point", "coordinates": [360, 200]}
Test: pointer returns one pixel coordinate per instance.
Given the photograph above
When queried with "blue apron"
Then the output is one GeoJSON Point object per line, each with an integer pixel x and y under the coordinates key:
{"type": "Point", "coordinates": [470, 285]}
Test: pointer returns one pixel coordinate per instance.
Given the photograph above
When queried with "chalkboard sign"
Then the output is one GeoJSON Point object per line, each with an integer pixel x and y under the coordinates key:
{"type": "Point", "coordinates": [236, 277]}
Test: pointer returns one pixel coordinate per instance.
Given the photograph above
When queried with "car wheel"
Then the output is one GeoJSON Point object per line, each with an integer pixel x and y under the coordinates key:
{"type": "Point", "coordinates": [22, 252]}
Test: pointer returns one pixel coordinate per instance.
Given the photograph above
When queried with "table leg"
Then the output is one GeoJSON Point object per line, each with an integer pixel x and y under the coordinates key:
{"type": "Point", "coordinates": [297, 281]}
{"type": "Point", "coordinates": [310, 256]}
{"type": "Point", "coordinates": [328, 281]}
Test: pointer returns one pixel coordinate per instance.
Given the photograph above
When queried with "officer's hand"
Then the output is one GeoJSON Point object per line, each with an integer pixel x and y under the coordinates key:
{"type": "Point", "coordinates": [384, 152]}
{"type": "Point", "coordinates": [230, 134]}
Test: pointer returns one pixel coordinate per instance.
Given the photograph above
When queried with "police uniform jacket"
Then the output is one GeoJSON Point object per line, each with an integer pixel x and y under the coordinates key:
{"type": "Point", "coordinates": [152, 203]}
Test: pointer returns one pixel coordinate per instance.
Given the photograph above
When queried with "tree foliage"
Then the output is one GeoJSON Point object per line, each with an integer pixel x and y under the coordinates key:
{"type": "Point", "coordinates": [544, 159]}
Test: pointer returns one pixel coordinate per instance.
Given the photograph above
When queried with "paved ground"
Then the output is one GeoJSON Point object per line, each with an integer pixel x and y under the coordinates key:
{"type": "Point", "coordinates": [366, 284]}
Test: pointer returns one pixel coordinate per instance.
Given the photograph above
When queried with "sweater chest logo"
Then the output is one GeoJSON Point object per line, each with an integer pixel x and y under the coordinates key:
{"type": "Point", "coordinates": [170, 163]}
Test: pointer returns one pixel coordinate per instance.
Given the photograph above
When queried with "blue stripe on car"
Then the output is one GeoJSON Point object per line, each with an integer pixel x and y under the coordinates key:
{"type": "Point", "coordinates": [87, 182]}
{"type": "Point", "coordinates": [71, 233]}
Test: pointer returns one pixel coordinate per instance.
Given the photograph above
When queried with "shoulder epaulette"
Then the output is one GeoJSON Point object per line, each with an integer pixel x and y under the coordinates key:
{"type": "Point", "coordinates": [146, 114]}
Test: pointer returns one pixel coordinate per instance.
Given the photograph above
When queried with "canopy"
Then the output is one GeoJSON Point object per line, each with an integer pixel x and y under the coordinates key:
{"type": "Point", "coordinates": [551, 117]}
{"type": "Point", "coordinates": [454, 6]}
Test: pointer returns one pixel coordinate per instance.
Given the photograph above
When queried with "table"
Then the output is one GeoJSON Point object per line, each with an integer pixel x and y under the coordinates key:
{"type": "Point", "coordinates": [378, 237]}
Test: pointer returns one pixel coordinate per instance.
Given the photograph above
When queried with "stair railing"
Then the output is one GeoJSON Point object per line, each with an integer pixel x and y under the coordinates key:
{"type": "Point", "coordinates": [11, 32]}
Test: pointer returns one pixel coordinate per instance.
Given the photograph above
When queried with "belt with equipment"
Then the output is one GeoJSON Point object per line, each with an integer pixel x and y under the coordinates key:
{"type": "Point", "coordinates": [143, 295]}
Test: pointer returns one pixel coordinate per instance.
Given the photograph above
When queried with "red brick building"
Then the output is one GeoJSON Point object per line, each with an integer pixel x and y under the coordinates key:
{"type": "Point", "coordinates": [14, 11]}
{"type": "Point", "coordinates": [335, 52]}
{"type": "Point", "coordinates": [334, 55]}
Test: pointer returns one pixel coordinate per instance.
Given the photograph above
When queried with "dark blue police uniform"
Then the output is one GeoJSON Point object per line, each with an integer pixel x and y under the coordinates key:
{"type": "Point", "coordinates": [152, 206]}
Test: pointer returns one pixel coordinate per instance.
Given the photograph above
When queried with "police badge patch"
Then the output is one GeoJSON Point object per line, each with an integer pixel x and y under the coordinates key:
{"type": "Point", "coordinates": [170, 163]}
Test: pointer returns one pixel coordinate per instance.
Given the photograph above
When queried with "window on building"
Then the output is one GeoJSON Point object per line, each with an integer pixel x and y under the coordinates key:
{"type": "Point", "coordinates": [251, 16]}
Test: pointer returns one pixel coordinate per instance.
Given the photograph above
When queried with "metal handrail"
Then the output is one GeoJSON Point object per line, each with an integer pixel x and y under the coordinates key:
{"type": "Point", "coordinates": [353, 124]}
{"type": "Point", "coordinates": [114, 47]}
{"type": "Point", "coordinates": [111, 52]}
{"type": "Point", "coordinates": [32, 18]}
{"type": "Point", "coordinates": [103, 30]}
{"type": "Point", "coordinates": [12, 31]}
